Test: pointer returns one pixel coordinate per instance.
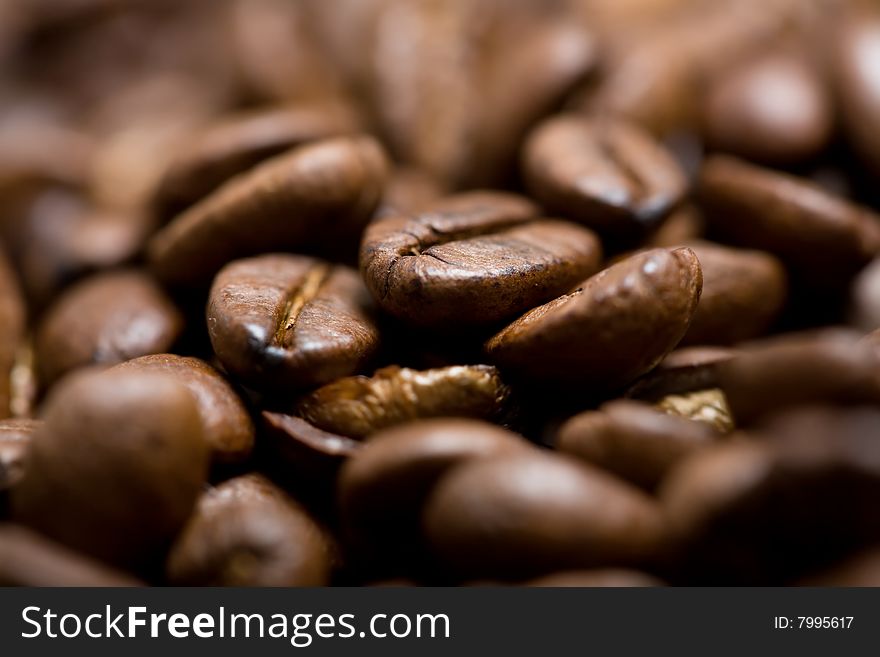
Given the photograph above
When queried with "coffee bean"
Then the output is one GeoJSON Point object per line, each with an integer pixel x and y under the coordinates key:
{"type": "Point", "coordinates": [604, 173]}
{"type": "Point", "coordinates": [684, 225]}
{"type": "Point", "coordinates": [743, 293]}
{"type": "Point", "coordinates": [318, 194]}
{"type": "Point", "coordinates": [248, 532]}
{"type": "Point", "coordinates": [633, 440]}
{"type": "Point", "coordinates": [605, 577]}
{"type": "Point", "coordinates": [616, 326]}
{"type": "Point", "coordinates": [233, 145]}
{"type": "Point", "coordinates": [106, 319]}
{"type": "Point", "coordinates": [226, 424]}
{"type": "Point", "coordinates": [705, 406]}
{"type": "Point", "coordinates": [116, 468]}
{"type": "Point", "coordinates": [12, 328]}
{"type": "Point", "coordinates": [794, 369]}
{"type": "Point", "coordinates": [284, 322]}
{"type": "Point", "coordinates": [409, 191]}
{"type": "Point", "coordinates": [28, 559]}
{"type": "Point", "coordinates": [384, 485]}
{"type": "Point", "coordinates": [773, 108]}
{"type": "Point", "coordinates": [513, 516]}
{"type": "Point", "coordinates": [473, 259]}
{"type": "Point", "coordinates": [359, 406]}
{"type": "Point", "coordinates": [824, 238]}
{"type": "Point", "coordinates": [682, 371]}
{"type": "Point", "coordinates": [865, 297]}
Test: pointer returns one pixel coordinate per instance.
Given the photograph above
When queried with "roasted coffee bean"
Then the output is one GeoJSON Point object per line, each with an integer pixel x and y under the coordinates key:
{"type": "Point", "coordinates": [768, 510]}
{"type": "Point", "coordinates": [865, 297]}
{"type": "Point", "coordinates": [705, 406]}
{"type": "Point", "coordinates": [315, 195]}
{"type": "Point", "coordinates": [116, 468]}
{"type": "Point", "coordinates": [384, 485]}
{"type": "Point", "coordinates": [683, 371]}
{"type": "Point", "coordinates": [743, 293]}
{"type": "Point", "coordinates": [359, 406]}
{"type": "Point", "coordinates": [682, 226]}
{"type": "Point", "coordinates": [604, 173]}
{"type": "Point", "coordinates": [513, 516]}
{"type": "Point", "coordinates": [248, 532]}
{"type": "Point", "coordinates": [12, 328]}
{"type": "Point", "coordinates": [28, 559]}
{"type": "Point", "coordinates": [616, 326]}
{"type": "Point", "coordinates": [408, 192]}
{"type": "Point", "coordinates": [826, 239]}
{"type": "Point", "coordinates": [773, 108]}
{"type": "Point", "coordinates": [633, 440]}
{"type": "Point", "coordinates": [607, 577]}
{"type": "Point", "coordinates": [830, 366]}
{"type": "Point", "coordinates": [15, 441]}
{"type": "Point", "coordinates": [473, 259]}
{"type": "Point", "coordinates": [226, 424]}
{"type": "Point", "coordinates": [235, 144]}
{"type": "Point", "coordinates": [106, 319]}
{"type": "Point", "coordinates": [285, 322]}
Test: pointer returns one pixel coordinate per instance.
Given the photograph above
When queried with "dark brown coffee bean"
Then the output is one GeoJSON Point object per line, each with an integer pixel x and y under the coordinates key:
{"type": "Point", "coordinates": [616, 326]}
{"type": "Point", "coordinates": [226, 424]}
{"type": "Point", "coordinates": [606, 577]}
{"type": "Point", "coordinates": [606, 174]}
{"type": "Point", "coordinates": [282, 322]}
{"type": "Point", "coordinates": [15, 441]}
{"type": "Point", "coordinates": [743, 293]}
{"type": "Point", "coordinates": [473, 259]}
{"type": "Point", "coordinates": [520, 515]}
{"type": "Point", "coordinates": [315, 195]}
{"type": "Point", "coordinates": [704, 406]}
{"type": "Point", "coordinates": [682, 226]}
{"type": "Point", "coordinates": [824, 238]}
{"type": "Point", "coordinates": [248, 532]}
{"type": "Point", "coordinates": [384, 485]}
{"type": "Point", "coordinates": [857, 83]}
{"type": "Point", "coordinates": [831, 366]}
{"type": "Point", "coordinates": [633, 440]}
{"type": "Point", "coordinates": [106, 319]}
{"type": "Point", "coordinates": [682, 371]}
{"type": "Point", "coordinates": [117, 466]}
{"type": "Point", "coordinates": [28, 559]}
{"type": "Point", "coordinates": [359, 406]}
{"type": "Point", "coordinates": [761, 512]}
{"type": "Point", "coordinates": [772, 108]}
{"type": "Point", "coordinates": [12, 328]}
{"type": "Point", "coordinates": [865, 297]}
{"type": "Point", "coordinates": [235, 144]}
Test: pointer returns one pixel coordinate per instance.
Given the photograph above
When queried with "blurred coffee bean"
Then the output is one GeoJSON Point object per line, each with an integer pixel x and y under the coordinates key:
{"type": "Point", "coordinates": [830, 366]}
{"type": "Point", "coordinates": [604, 173]}
{"type": "Point", "coordinates": [633, 440]}
{"type": "Point", "coordinates": [513, 516]}
{"type": "Point", "coordinates": [684, 225]}
{"type": "Point", "coordinates": [409, 191]}
{"type": "Point", "coordinates": [117, 466]}
{"type": "Point", "coordinates": [863, 569]}
{"type": "Point", "coordinates": [247, 532]}
{"type": "Point", "coordinates": [473, 259]}
{"type": "Point", "coordinates": [284, 322]}
{"type": "Point", "coordinates": [606, 577]}
{"type": "Point", "coordinates": [616, 326]}
{"type": "Point", "coordinates": [12, 328]}
{"type": "Point", "coordinates": [315, 195]}
{"type": "Point", "coordinates": [774, 108]}
{"type": "Point", "coordinates": [226, 424]}
{"type": "Point", "coordinates": [15, 441]}
{"type": "Point", "coordinates": [359, 406]}
{"type": "Point", "coordinates": [683, 371]}
{"type": "Point", "coordinates": [106, 319]}
{"type": "Point", "coordinates": [28, 559]}
{"type": "Point", "coordinates": [865, 297]}
{"type": "Point", "coordinates": [824, 238]}
{"type": "Point", "coordinates": [703, 406]}
{"type": "Point", "coordinates": [234, 144]}
{"type": "Point", "coordinates": [743, 293]}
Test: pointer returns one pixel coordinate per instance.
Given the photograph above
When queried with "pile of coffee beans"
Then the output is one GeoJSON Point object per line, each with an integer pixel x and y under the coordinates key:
{"type": "Point", "coordinates": [436, 292]}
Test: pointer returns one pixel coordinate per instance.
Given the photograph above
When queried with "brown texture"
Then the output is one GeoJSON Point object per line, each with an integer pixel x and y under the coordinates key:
{"type": "Point", "coordinates": [12, 327]}
{"type": "Point", "coordinates": [15, 441]}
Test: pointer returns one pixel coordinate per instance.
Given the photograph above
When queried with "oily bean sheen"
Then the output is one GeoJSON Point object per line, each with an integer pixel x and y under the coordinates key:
{"type": "Point", "coordinates": [773, 108]}
{"type": "Point", "coordinates": [473, 259]}
{"type": "Point", "coordinates": [359, 406]}
{"type": "Point", "coordinates": [633, 440]}
{"type": "Point", "coordinates": [235, 144]}
{"type": "Point", "coordinates": [743, 293]}
{"type": "Point", "coordinates": [384, 485]}
{"type": "Point", "coordinates": [606, 174]}
{"type": "Point", "coordinates": [318, 194]}
{"type": "Point", "coordinates": [226, 424]}
{"type": "Point", "coordinates": [290, 322]}
{"type": "Point", "coordinates": [106, 319]}
{"type": "Point", "coordinates": [616, 326]}
{"type": "Point", "coordinates": [28, 559]}
{"type": "Point", "coordinates": [248, 532]}
{"type": "Point", "coordinates": [826, 239]}
{"type": "Point", "coordinates": [12, 327]}
{"type": "Point", "coordinates": [116, 468]}
{"type": "Point", "coordinates": [518, 515]}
